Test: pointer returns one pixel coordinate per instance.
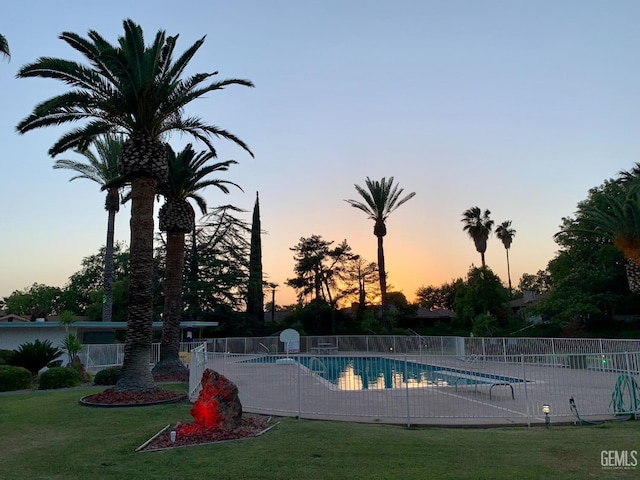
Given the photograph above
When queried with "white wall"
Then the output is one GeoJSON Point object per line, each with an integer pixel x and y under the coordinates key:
{"type": "Point", "coordinates": [12, 338]}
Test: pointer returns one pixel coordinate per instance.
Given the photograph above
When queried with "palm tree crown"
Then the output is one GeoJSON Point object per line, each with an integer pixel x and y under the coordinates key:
{"type": "Point", "coordinates": [478, 225]}
{"type": "Point", "coordinates": [187, 172]}
{"type": "Point", "coordinates": [102, 166]}
{"type": "Point", "coordinates": [618, 217]}
{"type": "Point", "coordinates": [630, 179]}
{"type": "Point", "coordinates": [127, 88]}
{"type": "Point", "coordinates": [505, 234]}
{"type": "Point", "coordinates": [380, 199]}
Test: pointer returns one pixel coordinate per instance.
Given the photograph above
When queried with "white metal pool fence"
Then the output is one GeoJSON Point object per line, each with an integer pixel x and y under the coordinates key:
{"type": "Point", "coordinates": [96, 357]}
{"type": "Point", "coordinates": [554, 351]}
{"type": "Point", "coordinates": [490, 391]}
{"type": "Point", "coordinates": [600, 375]}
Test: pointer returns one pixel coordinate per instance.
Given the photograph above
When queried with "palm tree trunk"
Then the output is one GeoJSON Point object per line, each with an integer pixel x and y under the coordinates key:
{"type": "Point", "coordinates": [107, 305]}
{"type": "Point", "coordinates": [482, 258]}
{"type": "Point", "coordinates": [508, 270]}
{"type": "Point", "coordinates": [383, 284]}
{"type": "Point", "coordinates": [170, 363]}
{"type": "Point", "coordinates": [194, 307]}
{"type": "Point", "coordinates": [633, 275]}
{"type": "Point", "coordinates": [136, 375]}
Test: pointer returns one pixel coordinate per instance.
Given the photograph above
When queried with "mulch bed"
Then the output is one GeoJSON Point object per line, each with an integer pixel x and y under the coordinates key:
{"type": "Point", "coordinates": [115, 398]}
{"type": "Point", "coordinates": [186, 435]}
{"type": "Point", "coordinates": [193, 434]}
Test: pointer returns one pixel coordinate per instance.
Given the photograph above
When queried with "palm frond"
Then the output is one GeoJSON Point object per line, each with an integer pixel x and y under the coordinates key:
{"type": "Point", "coordinates": [4, 46]}
{"type": "Point", "coordinates": [125, 87]}
{"type": "Point", "coordinates": [381, 198]}
{"type": "Point", "coordinates": [505, 233]}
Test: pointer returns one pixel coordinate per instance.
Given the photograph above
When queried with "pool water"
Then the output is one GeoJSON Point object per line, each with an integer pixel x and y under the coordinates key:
{"type": "Point", "coordinates": [377, 373]}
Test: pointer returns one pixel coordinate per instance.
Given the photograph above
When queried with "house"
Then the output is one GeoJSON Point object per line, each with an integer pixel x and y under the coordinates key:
{"type": "Point", "coordinates": [528, 299]}
{"type": "Point", "coordinates": [16, 332]}
{"type": "Point", "coordinates": [428, 318]}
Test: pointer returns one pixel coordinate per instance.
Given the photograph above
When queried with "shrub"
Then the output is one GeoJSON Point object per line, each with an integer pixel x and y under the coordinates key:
{"type": "Point", "coordinates": [108, 376]}
{"type": "Point", "coordinates": [34, 356]}
{"type": "Point", "coordinates": [5, 355]}
{"type": "Point", "coordinates": [59, 377]}
{"type": "Point", "coordinates": [14, 378]}
{"type": "Point", "coordinates": [77, 365]}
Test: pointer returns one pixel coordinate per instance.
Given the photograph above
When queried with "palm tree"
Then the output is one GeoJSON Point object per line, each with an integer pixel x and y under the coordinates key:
{"type": "Point", "coordinates": [478, 225]}
{"type": "Point", "coordinates": [138, 90]}
{"type": "Point", "coordinates": [505, 233]}
{"type": "Point", "coordinates": [187, 172]}
{"type": "Point", "coordinates": [630, 179]}
{"type": "Point", "coordinates": [618, 218]}
{"type": "Point", "coordinates": [102, 168]}
{"type": "Point", "coordinates": [4, 46]}
{"type": "Point", "coordinates": [380, 199]}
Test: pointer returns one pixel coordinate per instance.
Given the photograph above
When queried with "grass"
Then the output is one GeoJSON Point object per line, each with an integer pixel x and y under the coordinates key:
{"type": "Point", "coordinates": [47, 435]}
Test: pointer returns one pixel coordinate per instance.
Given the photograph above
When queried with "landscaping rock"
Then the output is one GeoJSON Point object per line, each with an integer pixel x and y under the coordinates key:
{"type": "Point", "coordinates": [218, 405]}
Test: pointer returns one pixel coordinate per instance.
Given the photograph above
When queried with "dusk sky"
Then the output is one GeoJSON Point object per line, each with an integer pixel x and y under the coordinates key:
{"type": "Point", "coordinates": [514, 106]}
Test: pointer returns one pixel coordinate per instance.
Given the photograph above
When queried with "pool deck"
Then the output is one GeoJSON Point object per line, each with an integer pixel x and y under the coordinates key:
{"type": "Point", "coordinates": [292, 390]}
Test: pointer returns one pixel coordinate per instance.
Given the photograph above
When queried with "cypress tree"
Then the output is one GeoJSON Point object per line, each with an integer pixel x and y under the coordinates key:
{"type": "Point", "coordinates": [255, 295]}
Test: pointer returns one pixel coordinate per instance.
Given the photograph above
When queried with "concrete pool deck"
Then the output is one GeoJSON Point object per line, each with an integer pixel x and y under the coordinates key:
{"type": "Point", "coordinates": [291, 390]}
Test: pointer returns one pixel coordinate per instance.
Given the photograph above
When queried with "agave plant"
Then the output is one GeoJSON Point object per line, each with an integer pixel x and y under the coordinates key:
{"type": "Point", "coordinates": [35, 356]}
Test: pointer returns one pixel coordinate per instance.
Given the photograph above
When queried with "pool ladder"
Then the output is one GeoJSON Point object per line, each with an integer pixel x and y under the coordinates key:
{"type": "Point", "coordinates": [316, 361]}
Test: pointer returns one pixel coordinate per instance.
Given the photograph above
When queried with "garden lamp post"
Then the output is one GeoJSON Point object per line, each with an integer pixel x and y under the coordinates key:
{"type": "Point", "coordinates": [546, 409]}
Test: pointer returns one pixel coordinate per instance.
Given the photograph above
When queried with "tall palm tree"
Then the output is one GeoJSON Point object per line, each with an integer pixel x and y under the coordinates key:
{"type": "Point", "coordinates": [505, 233]}
{"type": "Point", "coordinates": [187, 172]}
{"type": "Point", "coordinates": [139, 90]}
{"type": "Point", "coordinates": [380, 199]}
{"type": "Point", "coordinates": [478, 225]}
{"type": "Point", "coordinates": [102, 168]}
{"type": "Point", "coordinates": [4, 46]}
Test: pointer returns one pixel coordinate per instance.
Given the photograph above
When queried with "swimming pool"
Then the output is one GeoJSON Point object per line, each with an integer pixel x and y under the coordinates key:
{"type": "Point", "coordinates": [379, 373]}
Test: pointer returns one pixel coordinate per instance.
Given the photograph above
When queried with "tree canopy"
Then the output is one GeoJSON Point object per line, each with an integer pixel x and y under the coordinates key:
{"type": "Point", "coordinates": [588, 273]}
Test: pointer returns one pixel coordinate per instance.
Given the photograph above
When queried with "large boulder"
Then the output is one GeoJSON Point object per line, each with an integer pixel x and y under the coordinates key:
{"type": "Point", "coordinates": [218, 405]}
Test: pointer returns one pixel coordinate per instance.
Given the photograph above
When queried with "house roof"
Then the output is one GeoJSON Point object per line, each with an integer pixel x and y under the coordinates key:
{"type": "Point", "coordinates": [12, 317]}
{"type": "Point", "coordinates": [435, 313]}
{"type": "Point", "coordinates": [528, 298]}
{"type": "Point", "coordinates": [97, 325]}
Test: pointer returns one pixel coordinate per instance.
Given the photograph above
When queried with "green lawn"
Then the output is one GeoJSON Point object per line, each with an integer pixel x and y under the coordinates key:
{"type": "Point", "coordinates": [47, 435]}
